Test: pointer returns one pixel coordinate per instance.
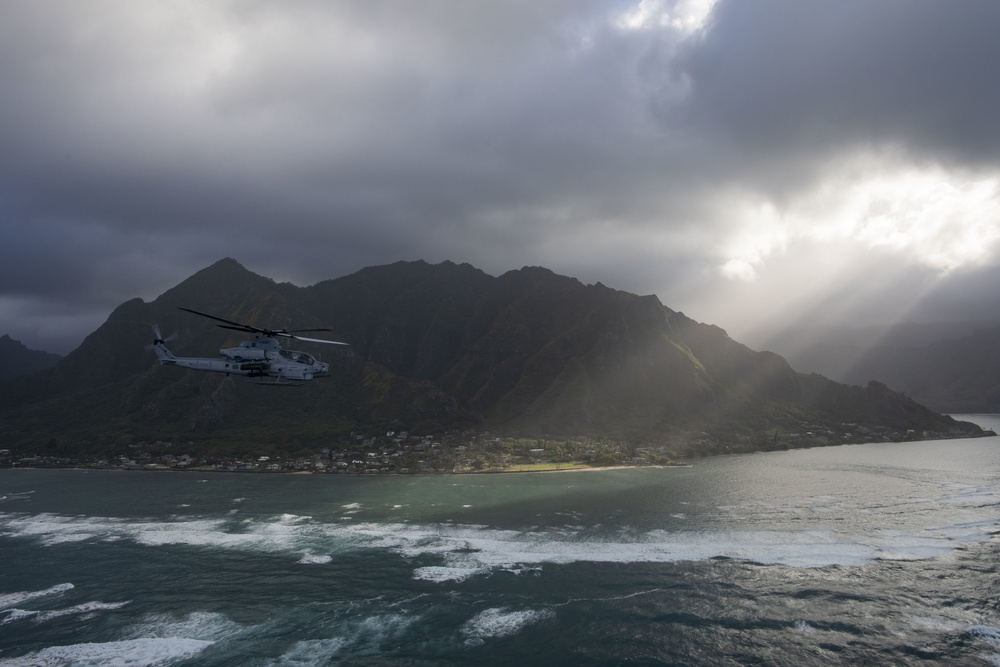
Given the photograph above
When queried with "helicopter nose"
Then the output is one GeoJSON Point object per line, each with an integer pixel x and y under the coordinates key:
{"type": "Point", "coordinates": [323, 368]}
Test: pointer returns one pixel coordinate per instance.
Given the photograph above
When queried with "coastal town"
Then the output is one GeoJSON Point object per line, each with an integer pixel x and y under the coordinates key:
{"type": "Point", "coordinates": [405, 453]}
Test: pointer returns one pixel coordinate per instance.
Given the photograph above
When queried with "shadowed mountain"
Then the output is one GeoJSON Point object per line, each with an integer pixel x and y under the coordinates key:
{"type": "Point", "coordinates": [441, 346]}
{"type": "Point", "coordinates": [17, 360]}
{"type": "Point", "coordinates": [957, 373]}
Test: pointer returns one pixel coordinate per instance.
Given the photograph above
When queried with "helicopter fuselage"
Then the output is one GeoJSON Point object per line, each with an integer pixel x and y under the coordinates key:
{"type": "Point", "coordinates": [259, 358]}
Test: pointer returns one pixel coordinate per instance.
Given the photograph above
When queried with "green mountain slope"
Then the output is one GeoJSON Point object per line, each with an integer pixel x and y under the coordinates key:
{"type": "Point", "coordinates": [433, 347]}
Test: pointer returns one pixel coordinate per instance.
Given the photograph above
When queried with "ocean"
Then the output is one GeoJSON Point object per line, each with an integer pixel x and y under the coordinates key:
{"type": "Point", "coordinates": [879, 554]}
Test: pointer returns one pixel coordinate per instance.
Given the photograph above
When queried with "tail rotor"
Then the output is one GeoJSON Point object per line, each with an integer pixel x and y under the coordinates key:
{"type": "Point", "coordinates": [159, 340]}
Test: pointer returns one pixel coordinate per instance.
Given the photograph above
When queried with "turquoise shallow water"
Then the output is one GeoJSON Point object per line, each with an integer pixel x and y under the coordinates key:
{"type": "Point", "coordinates": [870, 554]}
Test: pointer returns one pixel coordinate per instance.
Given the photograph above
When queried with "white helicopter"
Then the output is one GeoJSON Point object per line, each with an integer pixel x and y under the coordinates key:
{"type": "Point", "coordinates": [262, 357]}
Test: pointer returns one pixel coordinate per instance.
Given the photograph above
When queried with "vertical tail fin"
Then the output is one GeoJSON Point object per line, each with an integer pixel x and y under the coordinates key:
{"type": "Point", "coordinates": [162, 353]}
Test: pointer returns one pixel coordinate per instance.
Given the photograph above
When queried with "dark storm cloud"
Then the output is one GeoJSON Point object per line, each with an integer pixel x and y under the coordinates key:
{"type": "Point", "coordinates": [628, 142]}
{"type": "Point", "coordinates": [781, 81]}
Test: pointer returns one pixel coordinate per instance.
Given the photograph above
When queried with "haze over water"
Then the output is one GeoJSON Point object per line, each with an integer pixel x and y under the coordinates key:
{"type": "Point", "coordinates": [868, 554]}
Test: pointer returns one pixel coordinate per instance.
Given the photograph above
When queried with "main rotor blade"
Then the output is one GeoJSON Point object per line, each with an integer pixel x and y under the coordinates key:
{"type": "Point", "coordinates": [284, 333]}
{"type": "Point", "coordinates": [238, 325]}
{"type": "Point", "coordinates": [244, 329]}
{"type": "Point", "coordinates": [320, 340]}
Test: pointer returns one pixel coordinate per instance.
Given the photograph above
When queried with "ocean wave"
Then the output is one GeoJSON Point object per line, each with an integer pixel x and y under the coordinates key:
{"type": "Point", "coordinates": [804, 628]}
{"type": "Point", "coordinates": [439, 574]}
{"type": "Point", "coordinates": [15, 495]}
{"type": "Point", "coordinates": [200, 625]}
{"type": "Point", "coordinates": [991, 637]}
{"type": "Point", "coordinates": [48, 615]}
{"type": "Point", "coordinates": [466, 550]}
{"type": "Point", "coordinates": [315, 559]}
{"type": "Point", "coordinates": [501, 622]}
{"type": "Point", "coordinates": [127, 653]}
{"type": "Point", "coordinates": [986, 633]}
{"type": "Point", "coordinates": [10, 599]}
{"type": "Point", "coordinates": [310, 652]}
{"type": "Point", "coordinates": [356, 636]}
{"type": "Point", "coordinates": [470, 550]}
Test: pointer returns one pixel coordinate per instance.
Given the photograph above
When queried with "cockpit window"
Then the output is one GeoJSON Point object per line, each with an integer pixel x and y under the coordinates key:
{"type": "Point", "coordinates": [297, 357]}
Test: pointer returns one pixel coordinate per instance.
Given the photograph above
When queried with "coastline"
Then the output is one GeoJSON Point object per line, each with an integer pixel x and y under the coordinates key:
{"type": "Point", "coordinates": [325, 465]}
{"type": "Point", "coordinates": [336, 474]}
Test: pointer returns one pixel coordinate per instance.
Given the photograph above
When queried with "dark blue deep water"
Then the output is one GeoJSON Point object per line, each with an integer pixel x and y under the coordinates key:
{"type": "Point", "coordinates": [856, 555]}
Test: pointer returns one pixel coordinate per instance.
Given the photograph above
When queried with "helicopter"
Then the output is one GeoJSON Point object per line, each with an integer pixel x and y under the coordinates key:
{"type": "Point", "coordinates": [262, 358]}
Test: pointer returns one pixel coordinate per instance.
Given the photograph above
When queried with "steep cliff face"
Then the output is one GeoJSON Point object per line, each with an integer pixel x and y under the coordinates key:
{"type": "Point", "coordinates": [432, 347]}
{"type": "Point", "coordinates": [530, 348]}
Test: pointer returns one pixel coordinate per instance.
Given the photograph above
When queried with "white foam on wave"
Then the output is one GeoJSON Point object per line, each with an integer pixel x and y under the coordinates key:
{"type": "Point", "coordinates": [935, 623]}
{"type": "Point", "coordinates": [17, 615]}
{"type": "Point", "coordinates": [374, 630]}
{"type": "Point", "coordinates": [501, 622]}
{"type": "Point", "coordinates": [991, 637]}
{"type": "Point", "coordinates": [200, 625]}
{"type": "Point", "coordinates": [50, 528]}
{"type": "Point", "coordinates": [8, 600]}
{"type": "Point", "coordinates": [127, 653]}
{"type": "Point", "coordinates": [985, 632]}
{"type": "Point", "coordinates": [289, 533]}
{"type": "Point", "coordinates": [804, 628]}
{"type": "Point", "coordinates": [966, 494]}
{"type": "Point", "coordinates": [309, 558]}
{"type": "Point", "coordinates": [310, 652]}
{"type": "Point", "coordinates": [87, 608]}
{"type": "Point", "coordinates": [440, 574]}
{"type": "Point", "coordinates": [286, 533]}
{"type": "Point", "coordinates": [467, 550]}
{"type": "Point", "coordinates": [475, 548]}
{"type": "Point", "coordinates": [359, 636]}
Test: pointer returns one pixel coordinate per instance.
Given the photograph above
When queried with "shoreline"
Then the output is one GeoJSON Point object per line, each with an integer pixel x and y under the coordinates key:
{"type": "Point", "coordinates": [335, 474]}
{"type": "Point", "coordinates": [577, 466]}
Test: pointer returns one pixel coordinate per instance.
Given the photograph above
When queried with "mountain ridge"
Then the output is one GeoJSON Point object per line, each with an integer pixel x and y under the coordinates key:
{"type": "Point", "coordinates": [16, 359]}
{"type": "Point", "coordinates": [958, 374]}
{"type": "Point", "coordinates": [434, 346]}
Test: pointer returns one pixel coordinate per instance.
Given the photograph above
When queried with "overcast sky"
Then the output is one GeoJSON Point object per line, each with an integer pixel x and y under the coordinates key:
{"type": "Point", "coordinates": [756, 165]}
